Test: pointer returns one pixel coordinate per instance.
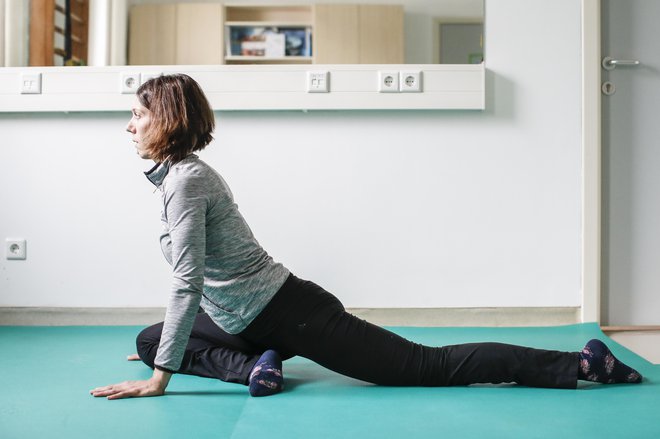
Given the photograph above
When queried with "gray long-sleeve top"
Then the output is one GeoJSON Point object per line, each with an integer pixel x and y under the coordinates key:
{"type": "Point", "coordinates": [216, 261]}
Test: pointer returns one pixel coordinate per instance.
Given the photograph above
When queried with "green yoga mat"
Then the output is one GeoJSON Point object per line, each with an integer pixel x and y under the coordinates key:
{"type": "Point", "coordinates": [46, 374]}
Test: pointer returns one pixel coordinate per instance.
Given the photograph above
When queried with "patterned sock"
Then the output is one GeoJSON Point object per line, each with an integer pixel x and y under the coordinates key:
{"type": "Point", "coordinates": [266, 377]}
{"type": "Point", "coordinates": [597, 363]}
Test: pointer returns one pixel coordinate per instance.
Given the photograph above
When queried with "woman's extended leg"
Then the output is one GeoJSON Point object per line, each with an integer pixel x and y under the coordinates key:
{"type": "Point", "coordinates": [306, 320]}
{"type": "Point", "coordinates": [211, 352]}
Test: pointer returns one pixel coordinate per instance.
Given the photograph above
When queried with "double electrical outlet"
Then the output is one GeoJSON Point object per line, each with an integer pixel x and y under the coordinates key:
{"type": "Point", "coordinates": [131, 81]}
{"type": "Point", "coordinates": [400, 82]}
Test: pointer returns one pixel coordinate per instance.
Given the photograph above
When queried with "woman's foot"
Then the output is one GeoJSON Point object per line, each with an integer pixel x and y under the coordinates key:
{"type": "Point", "coordinates": [597, 363]}
{"type": "Point", "coordinates": [266, 377]}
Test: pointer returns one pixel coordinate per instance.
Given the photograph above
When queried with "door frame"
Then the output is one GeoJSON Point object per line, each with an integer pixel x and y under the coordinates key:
{"type": "Point", "coordinates": [591, 239]}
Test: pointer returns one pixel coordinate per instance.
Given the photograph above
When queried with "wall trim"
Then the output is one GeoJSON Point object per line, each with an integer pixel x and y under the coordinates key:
{"type": "Point", "coordinates": [250, 87]}
{"type": "Point", "coordinates": [633, 328]}
{"type": "Point", "coordinates": [541, 316]}
{"type": "Point", "coordinates": [591, 162]}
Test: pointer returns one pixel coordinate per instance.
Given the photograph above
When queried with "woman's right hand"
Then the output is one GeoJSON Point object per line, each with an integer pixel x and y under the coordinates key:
{"type": "Point", "coordinates": [133, 357]}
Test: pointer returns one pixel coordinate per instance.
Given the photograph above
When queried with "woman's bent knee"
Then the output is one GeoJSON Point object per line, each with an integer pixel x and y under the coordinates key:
{"type": "Point", "coordinates": [147, 343]}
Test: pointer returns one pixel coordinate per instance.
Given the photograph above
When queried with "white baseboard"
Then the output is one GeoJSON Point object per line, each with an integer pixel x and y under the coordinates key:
{"type": "Point", "coordinates": [38, 316]}
{"type": "Point", "coordinates": [42, 316]}
{"type": "Point", "coordinates": [470, 316]}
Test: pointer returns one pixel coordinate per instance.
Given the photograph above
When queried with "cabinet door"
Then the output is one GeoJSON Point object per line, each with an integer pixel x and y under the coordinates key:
{"type": "Point", "coordinates": [381, 34]}
{"type": "Point", "coordinates": [199, 33]}
{"type": "Point", "coordinates": [152, 36]}
{"type": "Point", "coordinates": [335, 34]}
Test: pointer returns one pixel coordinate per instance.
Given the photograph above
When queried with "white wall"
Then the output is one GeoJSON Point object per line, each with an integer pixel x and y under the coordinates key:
{"type": "Point", "coordinates": [385, 209]}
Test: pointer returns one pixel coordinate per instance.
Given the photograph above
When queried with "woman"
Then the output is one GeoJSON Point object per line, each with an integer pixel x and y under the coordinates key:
{"type": "Point", "coordinates": [256, 311]}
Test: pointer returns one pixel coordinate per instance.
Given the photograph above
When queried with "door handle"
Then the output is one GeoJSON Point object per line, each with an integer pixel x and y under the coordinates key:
{"type": "Point", "coordinates": [610, 63]}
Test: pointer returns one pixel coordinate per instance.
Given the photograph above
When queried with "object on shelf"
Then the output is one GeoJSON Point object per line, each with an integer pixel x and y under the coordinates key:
{"type": "Point", "coordinates": [269, 42]}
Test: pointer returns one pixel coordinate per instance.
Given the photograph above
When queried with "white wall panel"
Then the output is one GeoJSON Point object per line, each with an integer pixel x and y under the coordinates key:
{"type": "Point", "coordinates": [383, 208]}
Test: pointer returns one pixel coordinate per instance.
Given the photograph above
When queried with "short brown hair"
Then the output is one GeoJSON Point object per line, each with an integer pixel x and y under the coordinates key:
{"type": "Point", "coordinates": [181, 118]}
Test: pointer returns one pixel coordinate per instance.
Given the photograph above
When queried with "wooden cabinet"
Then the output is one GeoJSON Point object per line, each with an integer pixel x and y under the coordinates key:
{"type": "Point", "coordinates": [181, 33]}
{"type": "Point", "coordinates": [336, 35]}
{"type": "Point", "coordinates": [151, 34]}
{"type": "Point", "coordinates": [381, 34]}
{"type": "Point", "coordinates": [210, 33]}
{"type": "Point", "coordinates": [358, 34]}
{"type": "Point", "coordinates": [198, 35]}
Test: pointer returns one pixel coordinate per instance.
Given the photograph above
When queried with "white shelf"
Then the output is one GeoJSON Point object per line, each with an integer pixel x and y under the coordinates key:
{"type": "Point", "coordinates": [267, 58]}
{"type": "Point", "coordinates": [267, 24]}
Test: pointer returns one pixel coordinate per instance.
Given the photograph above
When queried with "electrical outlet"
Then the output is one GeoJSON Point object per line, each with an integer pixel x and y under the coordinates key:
{"type": "Point", "coordinates": [411, 82]}
{"type": "Point", "coordinates": [130, 81]}
{"type": "Point", "coordinates": [30, 83]}
{"type": "Point", "coordinates": [15, 248]}
{"type": "Point", "coordinates": [388, 82]}
{"type": "Point", "coordinates": [144, 77]}
{"type": "Point", "coordinates": [318, 82]}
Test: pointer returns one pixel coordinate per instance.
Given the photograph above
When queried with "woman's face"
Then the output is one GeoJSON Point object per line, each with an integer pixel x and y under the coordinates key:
{"type": "Point", "coordinates": [138, 126]}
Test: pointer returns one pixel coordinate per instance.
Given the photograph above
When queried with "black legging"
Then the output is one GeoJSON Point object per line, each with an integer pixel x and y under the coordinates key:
{"type": "Point", "coordinates": [304, 319]}
{"type": "Point", "coordinates": [211, 352]}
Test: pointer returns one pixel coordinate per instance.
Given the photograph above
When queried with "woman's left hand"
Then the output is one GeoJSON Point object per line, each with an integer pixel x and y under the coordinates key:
{"type": "Point", "coordinates": [129, 389]}
{"type": "Point", "coordinates": [155, 386]}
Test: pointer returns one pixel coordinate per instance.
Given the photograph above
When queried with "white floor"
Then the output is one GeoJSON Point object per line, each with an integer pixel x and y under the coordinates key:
{"type": "Point", "coordinates": [646, 344]}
